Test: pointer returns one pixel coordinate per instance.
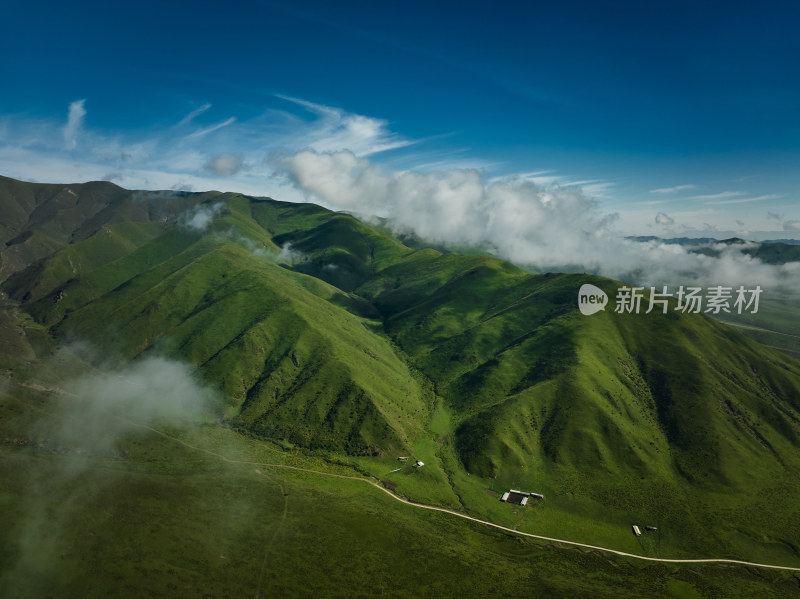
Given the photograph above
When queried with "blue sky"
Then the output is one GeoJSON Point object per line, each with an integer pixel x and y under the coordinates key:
{"type": "Point", "coordinates": [677, 117]}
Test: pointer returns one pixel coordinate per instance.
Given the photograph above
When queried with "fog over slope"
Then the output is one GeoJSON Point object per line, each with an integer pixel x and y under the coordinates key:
{"type": "Point", "coordinates": [93, 413]}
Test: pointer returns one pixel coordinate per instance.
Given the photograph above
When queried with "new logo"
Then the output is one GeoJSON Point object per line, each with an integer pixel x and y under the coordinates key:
{"type": "Point", "coordinates": [591, 299]}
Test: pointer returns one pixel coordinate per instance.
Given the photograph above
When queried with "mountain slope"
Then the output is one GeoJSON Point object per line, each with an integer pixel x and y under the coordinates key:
{"type": "Point", "coordinates": [222, 301]}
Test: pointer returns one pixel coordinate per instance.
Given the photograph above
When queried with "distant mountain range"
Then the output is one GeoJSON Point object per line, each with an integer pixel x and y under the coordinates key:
{"type": "Point", "coordinates": [706, 240]}
{"type": "Point", "coordinates": [323, 333]}
{"type": "Point", "coordinates": [779, 251]}
{"type": "Point", "coordinates": [682, 240]}
{"type": "Point", "coordinates": [786, 241]}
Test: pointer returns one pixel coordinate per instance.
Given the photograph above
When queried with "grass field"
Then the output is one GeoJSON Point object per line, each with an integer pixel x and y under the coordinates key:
{"type": "Point", "coordinates": [168, 516]}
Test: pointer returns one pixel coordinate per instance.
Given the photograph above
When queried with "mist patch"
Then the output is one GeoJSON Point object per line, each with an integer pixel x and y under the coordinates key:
{"type": "Point", "coordinates": [90, 417]}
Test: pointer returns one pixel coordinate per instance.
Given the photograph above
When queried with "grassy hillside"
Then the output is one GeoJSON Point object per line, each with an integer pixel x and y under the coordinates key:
{"type": "Point", "coordinates": [335, 341]}
{"type": "Point", "coordinates": [668, 418]}
{"type": "Point", "coordinates": [222, 301]}
{"type": "Point", "coordinates": [164, 515]}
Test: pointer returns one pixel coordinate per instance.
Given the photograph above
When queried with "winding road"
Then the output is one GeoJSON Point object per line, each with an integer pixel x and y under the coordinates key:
{"type": "Point", "coordinates": [434, 508]}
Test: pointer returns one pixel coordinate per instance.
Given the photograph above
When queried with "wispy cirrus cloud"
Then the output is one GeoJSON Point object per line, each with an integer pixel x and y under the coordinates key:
{"type": "Point", "coordinates": [196, 152]}
{"type": "Point", "coordinates": [671, 190]}
{"type": "Point", "coordinates": [75, 117]}
{"type": "Point", "coordinates": [336, 130]}
{"type": "Point", "coordinates": [212, 128]}
{"type": "Point", "coordinates": [545, 177]}
{"type": "Point", "coordinates": [744, 200]}
{"type": "Point", "coordinates": [239, 148]}
{"type": "Point", "coordinates": [718, 196]}
{"type": "Point", "coordinates": [593, 188]}
{"type": "Point", "coordinates": [193, 115]}
{"type": "Point", "coordinates": [548, 178]}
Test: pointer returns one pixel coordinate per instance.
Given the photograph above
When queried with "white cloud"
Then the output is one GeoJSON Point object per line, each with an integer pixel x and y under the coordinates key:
{"type": "Point", "coordinates": [664, 219]}
{"type": "Point", "coordinates": [518, 219]}
{"type": "Point", "coordinates": [112, 177]}
{"type": "Point", "coordinates": [336, 130]}
{"type": "Point", "coordinates": [290, 254]}
{"type": "Point", "coordinates": [549, 178]}
{"type": "Point", "coordinates": [744, 200]}
{"type": "Point", "coordinates": [593, 188]}
{"type": "Point", "coordinates": [670, 190]}
{"type": "Point", "coordinates": [438, 161]}
{"type": "Point", "coordinates": [211, 129]}
{"type": "Point", "coordinates": [791, 225]}
{"type": "Point", "coordinates": [144, 158]}
{"type": "Point", "coordinates": [718, 196]}
{"type": "Point", "coordinates": [546, 177]}
{"type": "Point", "coordinates": [200, 216]}
{"type": "Point", "coordinates": [193, 114]}
{"type": "Point", "coordinates": [243, 154]}
{"type": "Point", "coordinates": [550, 229]}
{"type": "Point", "coordinates": [225, 165]}
{"type": "Point", "coordinates": [75, 117]}
{"type": "Point", "coordinates": [187, 154]}
{"type": "Point", "coordinates": [99, 408]}
{"type": "Point", "coordinates": [97, 416]}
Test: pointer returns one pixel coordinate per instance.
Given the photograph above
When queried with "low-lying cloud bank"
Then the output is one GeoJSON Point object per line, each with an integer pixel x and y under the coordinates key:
{"type": "Point", "coordinates": [97, 409]}
{"type": "Point", "coordinates": [548, 229]}
{"type": "Point", "coordinates": [93, 419]}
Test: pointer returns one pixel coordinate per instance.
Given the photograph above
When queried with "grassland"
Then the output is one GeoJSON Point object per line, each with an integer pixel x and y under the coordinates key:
{"type": "Point", "coordinates": [164, 515]}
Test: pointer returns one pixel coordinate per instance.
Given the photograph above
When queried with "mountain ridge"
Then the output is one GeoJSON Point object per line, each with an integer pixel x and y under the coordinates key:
{"type": "Point", "coordinates": [323, 333]}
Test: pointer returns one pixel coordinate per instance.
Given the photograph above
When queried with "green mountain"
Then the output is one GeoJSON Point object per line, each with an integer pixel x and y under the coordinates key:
{"type": "Point", "coordinates": [334, 340]}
